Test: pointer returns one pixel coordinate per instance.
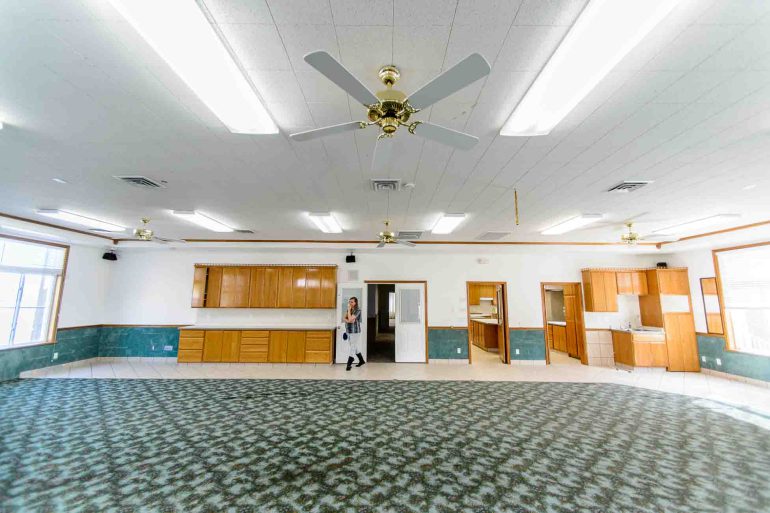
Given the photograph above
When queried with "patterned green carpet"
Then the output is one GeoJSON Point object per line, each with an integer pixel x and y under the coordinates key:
{"type": "Point", "coordinates": [323, 446]}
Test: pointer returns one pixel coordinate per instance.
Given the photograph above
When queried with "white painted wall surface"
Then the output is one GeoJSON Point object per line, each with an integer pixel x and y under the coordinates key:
{"type": "Point", "coordinates": [85, 287]}
{"type": "Point", "coordinates": [699, 265]}
{"type": "Point", "coordinates": [153, 286]}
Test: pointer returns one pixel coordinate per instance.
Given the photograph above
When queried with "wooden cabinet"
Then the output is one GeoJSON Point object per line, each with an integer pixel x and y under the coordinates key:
{"type": "Point", "coordinates": [265, 287]}
{"type": "Point", "coordinates": [681, 342]}
{"type": "Point", "coordinates": [254, 346]}
{"type": "Point", "coordinates": [276, 349]}
{"type": "Point", "coordinates": [631, 282]}
{"type": "Point", "coordinates": [231, 346]}
{"type": "Point", "coordinates": [318, 346]}
{"type": "Point", "coordinates": [559, 338]}
{"type": "Point", "coordinates": [478, 290]}
{"type": "Point", "coordinates": [601, 291]}
{"type": "Point", "coordinates": [190, 346]}
{"type": "Point", "coordinates": [484, 335]}
{"type": "Point", "coordinates": [633, 350]}
{"type": "Point", "coordinates": [673, 281]}
{"type": "Point", "coordinates": [295, 347]}
{"type": "Point", "coordinates": [212, 346]}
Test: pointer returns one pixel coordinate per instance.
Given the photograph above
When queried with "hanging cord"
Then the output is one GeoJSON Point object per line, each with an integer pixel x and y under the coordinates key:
{"type": "Point", "coordinates": [516, 206]}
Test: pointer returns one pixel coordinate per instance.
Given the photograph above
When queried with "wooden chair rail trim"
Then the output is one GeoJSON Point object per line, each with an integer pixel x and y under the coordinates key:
{"type": "Point", "coordinates": [266, 265]}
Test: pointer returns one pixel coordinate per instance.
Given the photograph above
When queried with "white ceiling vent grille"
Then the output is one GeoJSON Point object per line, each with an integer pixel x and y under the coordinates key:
{"type": "Point", "coordinates": [386, 184]}
{"type": "Point", "coordinates": [629, 185]}
{"type": "Point", "coordinates": [409, 235]}
{"type": "Point", "coordinates": [141, 181]}
{"type": "Point", "coordinates": [493, 235]}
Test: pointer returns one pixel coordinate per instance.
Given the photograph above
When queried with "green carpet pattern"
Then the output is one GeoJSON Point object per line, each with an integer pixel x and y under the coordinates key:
{"type": "Point", "coordinates": [363, 446]}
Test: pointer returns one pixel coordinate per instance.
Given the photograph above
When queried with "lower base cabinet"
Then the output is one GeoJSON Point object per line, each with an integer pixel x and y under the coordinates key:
{"type": "Point", "coordinates": [255, 346]}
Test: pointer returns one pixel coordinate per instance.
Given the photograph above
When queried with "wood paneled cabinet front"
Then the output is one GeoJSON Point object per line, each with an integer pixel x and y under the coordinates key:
{"type": "Point", "coordinates": [600, 290]}
{"type": "Point", "coordinates": [264, 287]}
{"type": "Point", "coordinates": [255, 346]}
{"type": "Point", "coordinates": [631, 282]}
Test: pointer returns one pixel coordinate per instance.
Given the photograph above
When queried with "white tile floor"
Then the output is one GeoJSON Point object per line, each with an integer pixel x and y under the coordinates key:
{"type": "Point", "coordinates": [483, 369]}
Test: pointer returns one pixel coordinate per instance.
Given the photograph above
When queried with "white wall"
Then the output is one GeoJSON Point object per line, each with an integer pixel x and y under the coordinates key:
{"type": "Point", "coordinates": [85, 287]}
{"type": "Point", "coordinates": [149, 286]}
{"type": "Point", "coordinates": [700, 264]}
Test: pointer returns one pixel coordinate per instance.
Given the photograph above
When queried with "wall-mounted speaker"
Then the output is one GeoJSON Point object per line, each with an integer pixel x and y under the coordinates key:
{"type": "Point", "coordinates": [110, 255]}
{"type": "Point", "coordinates": [350, 259]}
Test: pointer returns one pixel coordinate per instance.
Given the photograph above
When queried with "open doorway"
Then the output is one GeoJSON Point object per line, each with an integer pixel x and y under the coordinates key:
{"type": "Point", "coordinates": [488, 334]}
{"type": "Point", "coordinates": [381, 331]}
{"type": "Point", "coordinates": [563, 322]}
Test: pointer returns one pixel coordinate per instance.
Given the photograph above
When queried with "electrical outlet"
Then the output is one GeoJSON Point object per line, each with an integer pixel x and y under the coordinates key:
{"type": "Point", "coordinates": [719, 362]}
{"type": "Point", "coordinates": [517, 351]}
{"type": "Point", "coordinates": [168, 348]}
{"type": "Point", "coordinates": [459, 350]}
{"type": "Point", "coordinates": [703, 359]}
{"type": "Point", "coordinates": [152, 347]}
{"type": "Point", "coordinates": [56, 356]}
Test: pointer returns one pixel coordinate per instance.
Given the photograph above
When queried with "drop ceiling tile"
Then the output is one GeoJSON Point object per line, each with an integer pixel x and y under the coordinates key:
{"type": "Point", "coordinates": [257, 46]}
{"type": "Point", "coordinates": [239, 11]}
{"type": "Point", "coordinates": [506, 87]}
{"type": "Point", "coordinates": [690, 87]}
{"type": "Point", "coordinates": [362, 12]}
{"type": "Point", "coordinates": [737, 87]}
{"type": "Point", "coordinates": [411, 13]}
{"type": "Point", "coordinates": [318, 88]}
{"type": "Point", "coordinates": [451, 115]}
{"type": "Point", "coordinates": [420, 47]}
{"type": "Point", "coordinates": [549, 12]}
{"type": "Point", "coordinates": [291, 116]}
{"type": "Point", "coordinates": [694, 44]}
{"type": "Point", "coordinates": [325, 114]}
{"type": "Point", "coordinates": [729, 12]}
{"type": "Point", "coordinates": [528, 48]}
{"type": "Point", "coordinates": [300, 40]}
{"type": "Point", "coordinates": [277, 86]}
{"type": "Point", "coordinates": [365, 48]}
{"type": "Point", "coordinates": [467, 39]}
{"type": "Point", "coordinates": [481, 13]}
{"type": "Point", "coordinates": [300, 12]}
{"type": "Point", "coordinates": [741, 52]}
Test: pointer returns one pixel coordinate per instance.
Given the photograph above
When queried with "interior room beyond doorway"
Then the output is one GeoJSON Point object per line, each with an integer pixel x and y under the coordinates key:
{"type": "Point", "coordinates": [488, 336]}
{"type": "Point", "coordinates": [563, 323]}
{"type": "Point", "coordinates": [381, 325]}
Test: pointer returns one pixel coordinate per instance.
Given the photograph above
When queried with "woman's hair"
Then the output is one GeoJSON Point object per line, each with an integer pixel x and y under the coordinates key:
{"type": "Point", "coordinates": [354, 298]}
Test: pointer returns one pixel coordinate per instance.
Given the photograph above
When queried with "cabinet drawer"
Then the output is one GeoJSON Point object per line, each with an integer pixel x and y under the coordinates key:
{"type": "Point", "coordinates": [253, 349]}
{"type": "Point", "coordinates": [255, 341]}
{"type": "Point", "coordinates": [191, 333]}
{"type": "Point", "coordinates": [191, 343]}
{"type": "Point", "coordinates": [190, 355]}
{"type": "Point", "coordinates": [317, 343]}
{"type": "Point", "coordinates": [252, 357]}
{"type": "Point", "coordinates": [255, 334]}
{"type": "Point", "coordinates": [318, 356]}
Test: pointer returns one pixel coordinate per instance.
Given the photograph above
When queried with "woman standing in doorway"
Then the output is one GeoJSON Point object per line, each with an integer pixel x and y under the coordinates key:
{"type": "Point", "coordinates": [353, 331]}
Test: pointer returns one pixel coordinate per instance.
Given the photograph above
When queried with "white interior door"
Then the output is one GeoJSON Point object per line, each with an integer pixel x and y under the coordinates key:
{"type": "Point", "coordinates": [410, 322]}
{"type": "Point", "coordinates": [344, 292]}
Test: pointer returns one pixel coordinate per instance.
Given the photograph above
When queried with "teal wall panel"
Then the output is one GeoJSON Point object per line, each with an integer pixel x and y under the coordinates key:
{"type": "Point", "coordinates": [133, 341]}
{"type": "Point", "coordinates": [444, 343]}
{"type": "Point", "coordinates": [740, 364]}
{"type": "Point", "coordinates": [529, 342]}
{"type": "Point", "coordinates": [71, 345]}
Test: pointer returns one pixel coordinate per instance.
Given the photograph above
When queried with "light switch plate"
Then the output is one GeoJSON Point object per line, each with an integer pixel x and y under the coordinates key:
{"type": "Point", "coordinates": [459, 350]}
{"type": "Point", "coordinates": [719, 362]}
{"type": "Point", "coordinates": [703, 358]}
{"type": "Point", "coordinates": [56, 356]}
{"type": "Point", "coordinates": [517, 351]}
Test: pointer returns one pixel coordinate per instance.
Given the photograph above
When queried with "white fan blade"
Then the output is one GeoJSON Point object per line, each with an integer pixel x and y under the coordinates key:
{"type": "Point", "coordinates": [383, 153]}
{"type": "Point", "coordinates": [164, 240]}
{"type": "Point", "coordinates": [381, 245]}
{"type": "Point", "coordinates": [406, 243]}
{"type": "Point", "coordinates": [327, 130]}
{"type": "Point", "coordinates": [446, 136]}
{"type": "Point", "coordinates": [337, 73]}
{"type": "Point", "coordinates": [462, 74]}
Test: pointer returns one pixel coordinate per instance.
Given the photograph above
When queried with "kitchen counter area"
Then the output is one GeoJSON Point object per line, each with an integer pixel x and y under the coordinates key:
{"type": "Point", "coordinates": [483, 333]}
{"type": "Point", "coordinates": [485, 321]}
{"type": "Point", "coordinates": [640, 347]}
{"type": "Point", "coordinates": [262, 326]}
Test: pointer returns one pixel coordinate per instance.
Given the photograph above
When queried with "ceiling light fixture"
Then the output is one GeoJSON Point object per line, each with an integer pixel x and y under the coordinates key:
{"type": "Point", "coordinates": [325, 222]}
{"type": "Point", "coordinates": [180, 33]}
{"type": "Point", "coordinates": [603, 34]}
{"type": "Point", "coordinates": [447, 223]}
{"type": "Point", "coordinates": [90, 222]}
{"type": "Point", "coordinates": [59, 180]}
{"type": "Point", "coordinates": [203, 220]}
{"type": "Point", "coordinates": [697, 224]}
{"type": "Point", "coordinates": [749, 187]}
{"type": "Point", "coordinates": [572, 224]}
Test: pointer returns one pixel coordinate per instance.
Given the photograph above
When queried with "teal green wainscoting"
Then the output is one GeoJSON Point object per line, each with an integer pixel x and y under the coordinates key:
{"type": "Point", "coordinates": [530, 342]}
{"type": "Point", "coordinates": [71, 345]}
{"type": "Point", "coordinates": [133, 341]}
{"type": "Point", "coordinates": [741, 364]}
{"type": "Point", "coordinates": [444, 343]}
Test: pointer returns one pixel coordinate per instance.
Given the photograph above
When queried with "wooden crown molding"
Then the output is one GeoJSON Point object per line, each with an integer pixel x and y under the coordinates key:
{"type": "Point", "coordinates": [417, 242]}
{"type": "Point", "coordinates": [716, 232]}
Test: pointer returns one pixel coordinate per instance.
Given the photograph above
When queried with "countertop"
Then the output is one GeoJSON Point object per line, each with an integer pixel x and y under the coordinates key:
{"type": "Point", "coordinates": [657, 335]}
{"type": "Point", "coordinates": [557, 323]}
{"type": "Point", "coordinates": [485, 321]}
{"type": "Point", "coordinates": [246, 327]}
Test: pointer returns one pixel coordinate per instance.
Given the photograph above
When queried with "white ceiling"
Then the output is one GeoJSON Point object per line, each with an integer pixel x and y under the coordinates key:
{"type": "Point", "coordinates": [85, 98]}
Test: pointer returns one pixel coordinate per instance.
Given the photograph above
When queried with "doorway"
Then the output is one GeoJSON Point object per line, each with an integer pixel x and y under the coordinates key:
{"type": "Point", "coordinates": [381, 332]}
{"type": "Point", "coordinates": [563, 326]}
{"type": "Point", "coordinates": [397, 327]}
{"type": "Point", "coordinates": [487, 312]}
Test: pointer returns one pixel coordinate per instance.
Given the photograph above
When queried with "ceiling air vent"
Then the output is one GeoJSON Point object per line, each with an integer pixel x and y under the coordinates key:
{"type": "Point", "coordinates": [409, 235]}
{"type": "Point", "coordinates": [629, 185]}
{"type": "Point", "coordinates": [386, 184]}
{"type": "Point", "coordinates": [141, 181]}
{"type": "Point", "coordinates": [493, 235]}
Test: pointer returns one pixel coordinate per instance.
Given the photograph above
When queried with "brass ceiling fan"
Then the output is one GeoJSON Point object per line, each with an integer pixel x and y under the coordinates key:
{"type": "Point", "coordinates": [146, 234]}
{"type": "Point", "coordinates": [390, 109]}
{"type": "Point", "coordinates": [388, 237]}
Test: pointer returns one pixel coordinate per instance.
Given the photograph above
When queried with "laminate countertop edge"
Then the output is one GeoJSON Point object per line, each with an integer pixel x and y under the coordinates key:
{"type": "Point", "coordinates": [258, 327]}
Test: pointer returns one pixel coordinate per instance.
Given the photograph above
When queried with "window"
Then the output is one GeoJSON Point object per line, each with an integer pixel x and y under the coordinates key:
{"type": "Point", "coordinates": [744, 275]}
{"type": "Point", "coordinates": [30, 280]}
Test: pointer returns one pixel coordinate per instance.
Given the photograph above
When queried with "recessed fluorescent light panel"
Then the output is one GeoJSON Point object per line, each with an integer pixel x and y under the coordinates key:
{"type": "Point", "coordinates": [572, 224]}
{"type": "Point", "coordinates": [325, 222]}
{"type": "Point", "coordinates": [447, 223]}
{"type": "Point", "coordinates": [202, 220]}
{"type": "Point", "coordinates": [603, 34]}
{"type": "Point", "coordinates": [180, 33]}
{"type": "Point", "coordinates": [698, 224]}
{"type": "Point", "coordinates": [69, 217]}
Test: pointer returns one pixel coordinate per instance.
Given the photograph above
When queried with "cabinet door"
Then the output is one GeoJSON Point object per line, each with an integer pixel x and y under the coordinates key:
{"type": "Point", "coordinates": [285, 287]}
{"type": "Point", "coordinates": [257, 291]}
{"type": "Point", "coordinates": [231, 346]}
{"type": "Point", "coordinates": [212, 346]}
{"type": "Point", "coordinates": [213, 287]}
{"type": "Point", "coordinates": [328, 287]}
{"type": "Point", "coordinates": [639, 283]}
{"type": "Point", "coordinates": [597, 280]}
{"type": "Point", "coordinates": [318, 346]}
{"type": "Point", "coordinates": [295, 347]}
{"type": "Point", "coordinates": [313, 287]}
{"type": "Point", "coordinates": [271, 287]}
{"type": "Point", "coordinates": [673, 281]}
{"type": "Point", "coordinates": [625, 284]}
{"type": "Point", "coordinates": [235, 287]}
{"type": "Point", "coordinates": [276, 349]}
{"type": "Point", "coordinates": [610, 292]}
{"type": "Point", "coordinates": [588, 291]}
{"type": "Point", "coordinates": [299, 287]}
{"type": "Point", "coordinates": [199, 287]}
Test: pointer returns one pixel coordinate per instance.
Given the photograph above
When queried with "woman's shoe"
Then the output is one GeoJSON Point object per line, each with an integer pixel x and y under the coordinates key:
{"type": "Point", "coordinates": [350, 363]}
{"type": "Point", "coordinates": [360, 360]}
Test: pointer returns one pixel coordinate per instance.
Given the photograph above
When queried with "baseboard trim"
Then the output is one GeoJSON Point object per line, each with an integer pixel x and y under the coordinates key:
{"type": "Point", "coordinates": [736, 377]}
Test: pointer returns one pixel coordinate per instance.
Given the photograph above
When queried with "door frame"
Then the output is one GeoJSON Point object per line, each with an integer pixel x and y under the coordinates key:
{"type": "Point", "coordinates": [581, 336]}
{"type": "Point", "coordinates": [425, 292]}
{"type": "Point", "coordinates": [505, 315]}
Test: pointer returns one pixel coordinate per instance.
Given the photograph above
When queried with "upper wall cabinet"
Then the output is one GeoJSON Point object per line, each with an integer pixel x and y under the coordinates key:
{"type": "Point", "coordinates": [601, 291]}
{"type": "Point", "coordinates": [264, 287]}
{"type": "Point", "coordinates": [673, 282]}
{"type": "Point", "coordinates": [632, 282]}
